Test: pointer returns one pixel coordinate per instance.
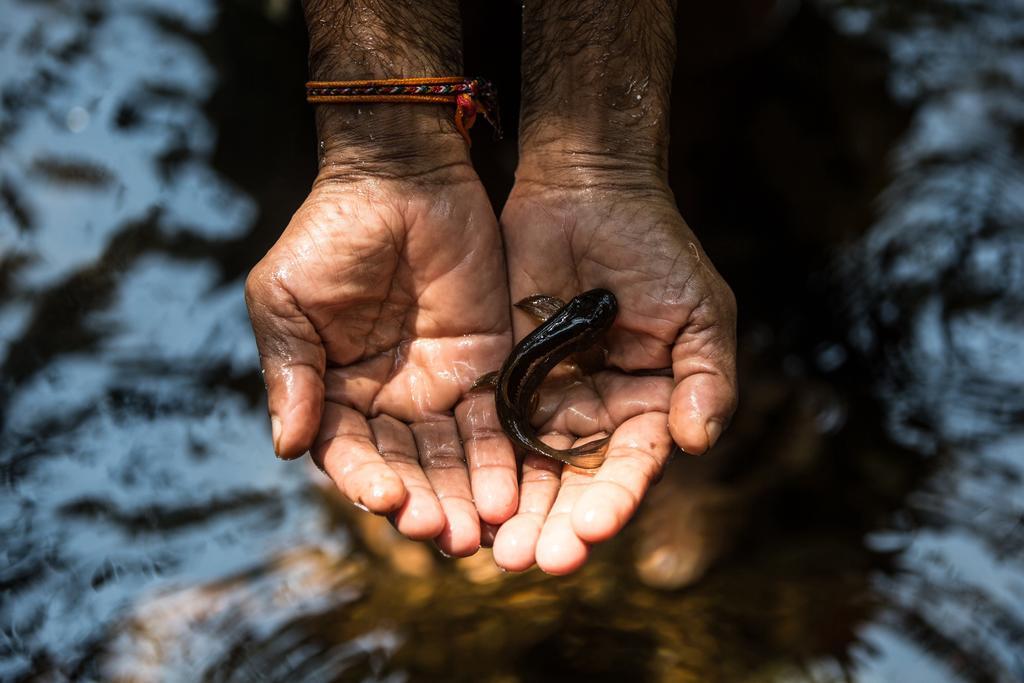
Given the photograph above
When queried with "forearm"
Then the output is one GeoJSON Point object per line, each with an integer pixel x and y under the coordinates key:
{"type": "Point", "coordinates": [596, 82]}
{"type": "Point", "coordinates": [378, 39]}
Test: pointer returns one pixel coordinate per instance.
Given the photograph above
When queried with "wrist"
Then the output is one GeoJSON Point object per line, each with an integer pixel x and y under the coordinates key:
{"type": "Point", "coordinates": [577, 162]}
{"type": "Point", "coordinates": [394, 140]}
{"type": "Point", "coordinates": [605, 123]}
{"type": "Point", "coordinates": [595, 91]}
{"type": "Point", "coordinates": [361, 40]}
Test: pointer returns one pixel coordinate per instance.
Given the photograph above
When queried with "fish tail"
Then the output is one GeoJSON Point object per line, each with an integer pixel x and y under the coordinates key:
{"type": "Point", "coordinates": [487, 381]}
{"type": "Point", "coordinates": [589, 456]}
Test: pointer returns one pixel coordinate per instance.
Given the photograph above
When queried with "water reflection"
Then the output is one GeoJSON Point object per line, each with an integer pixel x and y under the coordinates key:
{"type": "Point", "coordinates": [845, 529]}
{"type": "Point", "coordinates": [131, 460]}
{"type": "Point", "coordinates": [937, 292]}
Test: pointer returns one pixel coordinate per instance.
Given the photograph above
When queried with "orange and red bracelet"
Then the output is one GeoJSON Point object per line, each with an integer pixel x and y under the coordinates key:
{"type": "Point", "coordinates": [469, 95]}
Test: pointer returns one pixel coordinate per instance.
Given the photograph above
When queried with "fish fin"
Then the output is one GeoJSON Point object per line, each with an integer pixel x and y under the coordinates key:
{"type": "Point", "coordinates": [540, 306]}
{"type": "Point", "coordinates": [589, 456]}
{"type": "Point", "coordinates": [487, 381]}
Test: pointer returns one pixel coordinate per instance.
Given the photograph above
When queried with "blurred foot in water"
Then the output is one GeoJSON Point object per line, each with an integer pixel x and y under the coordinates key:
{"type": "Point", "coordinates": [703, 507]}
{"type": "Point", "coordinates": [685, 528]}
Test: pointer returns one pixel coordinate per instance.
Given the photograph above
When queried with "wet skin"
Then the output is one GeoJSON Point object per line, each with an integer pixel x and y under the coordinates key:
{"type": "Point", "coordinates": [566, 329]}
{"type": "Point", "coordinates": [387, 295]}
{"type": "Point", "coordinates": [370, 338]}
{"type": "Point", "coordinates": [675, 315]}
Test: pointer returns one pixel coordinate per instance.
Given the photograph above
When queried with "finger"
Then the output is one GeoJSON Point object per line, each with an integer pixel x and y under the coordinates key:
{"type": "Point", "coordinates": [569, 406]}
{"type": "Point", "coordinates": [420, 516]}
{"type": "Point", "coordinates": [445, 467]}
{"type": "Point", "coordinates": [559, 550]}
{"type": "Point", "coordinates": [515, 545]}
{"type": "Point", "coordinates": [636, 455]}
{"type": "Point", "coordinates": [293, 361]}
{"type": "Point", "coordinates": [704, 368]}
{"type": "Point", "coordinates": [345, 449]}
{"type": "Point", "coordinates": [608, 399]}
{"type": "Point", "coordinates": [491, 460]}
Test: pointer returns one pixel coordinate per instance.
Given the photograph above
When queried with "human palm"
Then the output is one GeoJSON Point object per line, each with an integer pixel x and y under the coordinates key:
{"type": "Point", "coordinates": [668, 375]}
{"type": "Point", "coordinates": [376, 310]}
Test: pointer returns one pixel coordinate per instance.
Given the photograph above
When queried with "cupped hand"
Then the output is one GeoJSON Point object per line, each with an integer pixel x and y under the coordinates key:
{"type": "Point", "coordinates": [374, 313]}
{"type": "Point", "coordinates": [676, 315]}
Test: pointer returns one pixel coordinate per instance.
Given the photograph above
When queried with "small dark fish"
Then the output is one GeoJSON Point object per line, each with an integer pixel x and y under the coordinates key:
{"type": "Point", "coordinates": [567, 329]}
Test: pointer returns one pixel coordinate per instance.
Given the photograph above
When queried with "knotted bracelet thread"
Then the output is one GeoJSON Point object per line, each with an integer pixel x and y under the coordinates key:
{"type": "Point", "coordinates": [470, 96]}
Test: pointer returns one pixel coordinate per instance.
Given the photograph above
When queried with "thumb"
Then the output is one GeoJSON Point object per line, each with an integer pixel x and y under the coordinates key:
{"type": "Point", "coordinates": [704, 368]}
{"type": "Point", "coordinates": [293, 361]}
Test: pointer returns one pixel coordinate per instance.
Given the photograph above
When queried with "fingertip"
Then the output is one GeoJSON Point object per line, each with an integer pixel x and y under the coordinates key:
{"type": "Point", "coordinates": [384, 492]}
{"type": "Point", "coordinates": [287, 445]}
{"type": "Point", "coordinates": [295, 400]}
{"type": "Point", "coordinates": [559, 550]}
{"type": "Point", "coordinates": [701, 406]}
{"type": "Point", "coordinates": [295, 438]}
{"type": "Point", "coordinates": [293, 434]}
{"type": "Point", "coordinates": [689, 435]}
{"type": "Point", "coordinates": [460, 536]}
{"type": "Point", "coordinates": [594, 518]}
{"type": "Point", "coordinates": [496, 493]}
{"type": "Point", "coordinates": [373, 486]}
{"type": "Point", "coordinates": [515, 544]}
{"type": "Point", "coordinates": [420, 517]}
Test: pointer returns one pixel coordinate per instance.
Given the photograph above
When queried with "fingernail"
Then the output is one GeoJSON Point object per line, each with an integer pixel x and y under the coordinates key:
{"type": "Point", "coordinates": [713, 428]}
{"type": "Point", "coordinates": [275, 433]}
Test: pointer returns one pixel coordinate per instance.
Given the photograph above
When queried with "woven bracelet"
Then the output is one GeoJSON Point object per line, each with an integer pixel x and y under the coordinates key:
{"type": "Point", "coordinates": [469, 96]}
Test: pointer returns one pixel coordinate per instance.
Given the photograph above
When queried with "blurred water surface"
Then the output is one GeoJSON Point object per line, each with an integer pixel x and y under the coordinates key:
{"type": "Point", "coordinates": [855, 170]}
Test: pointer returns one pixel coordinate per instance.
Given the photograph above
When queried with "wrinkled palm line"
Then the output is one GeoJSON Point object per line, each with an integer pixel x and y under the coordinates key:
{"type": "Point", "coordinates": [594, 385]}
